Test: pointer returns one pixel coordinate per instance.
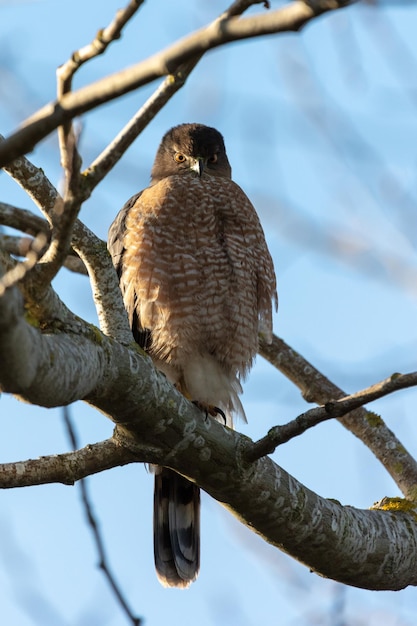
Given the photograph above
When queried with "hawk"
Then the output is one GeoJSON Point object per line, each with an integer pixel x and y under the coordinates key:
{"type": "Point", "coordinates": [198, 285]}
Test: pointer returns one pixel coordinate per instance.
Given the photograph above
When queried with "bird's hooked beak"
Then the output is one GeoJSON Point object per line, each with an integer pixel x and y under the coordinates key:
{"type": "Point", "coordinates": [198, 166]}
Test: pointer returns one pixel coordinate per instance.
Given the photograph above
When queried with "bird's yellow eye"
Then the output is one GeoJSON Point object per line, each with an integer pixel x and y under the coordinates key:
{"type": "Point", "coordinates": [213, 159]}
{"type": "Point", "coordinates": [179, 157]}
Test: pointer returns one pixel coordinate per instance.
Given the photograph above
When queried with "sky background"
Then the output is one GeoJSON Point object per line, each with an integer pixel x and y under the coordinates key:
{"type": "Point", "coordinates": [321, 132]}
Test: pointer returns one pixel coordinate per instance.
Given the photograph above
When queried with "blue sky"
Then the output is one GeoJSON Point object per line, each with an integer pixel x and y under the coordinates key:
{"type": "Point", "coordinates": [321, 131]}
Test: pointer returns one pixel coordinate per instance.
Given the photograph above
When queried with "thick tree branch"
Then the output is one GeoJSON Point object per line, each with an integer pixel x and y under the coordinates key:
{"type": "Point", "coordinates": [46, 311]}
{"type": "Point", "coordinates": [65, 468]}
{"type": "Point", "coordinates": [321, 533]}
{"type": "Point", "coordinates": [48, 369]}
{"type": "Point", "coordinates": [315, 387]}
{"type": "Point", "coordinates": [104, 283]}
{"type": "Point", "coordinates": [367, 426]}
{"type": "Point", "coordinates": [124, 385]}
{"type": "Point", "coordinates": [289, 18]}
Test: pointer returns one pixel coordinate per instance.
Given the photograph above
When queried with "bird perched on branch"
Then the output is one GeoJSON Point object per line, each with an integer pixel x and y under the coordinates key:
{"type": "Point", "coordinates": [198, 285]}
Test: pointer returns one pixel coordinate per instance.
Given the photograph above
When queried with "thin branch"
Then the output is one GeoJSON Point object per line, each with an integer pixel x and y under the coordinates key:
{"type": "Point", "coordinates": [95, 529]}
{"type": "Point", "coordinates": [22, 220]}
{"type": "Point", "coordinates": [164, 92]}
{"type": "Point", "coordinates": [92, 250]}
{"type": "Point", "coordinates": [34, 182]}
{"type": "Point", "coordinates": [116, 149]}
{"type": "Point", "coordinates": [18, 246]}
{"type": "Point", "coordinates": [64, 213]}
{"type": "Point", "coordinates": [365, 425]}
{"type": "Point", "coordinates": [46, 311]}
{"type": "Point", "coordinates": [281, 434]}
{"type": "Point", "coordinates": [288, 18]}
{"type": "Point", "coordinates": [27, 222]}
{"type": "Point", "coordinates": [65, 74]}
{"type": "Point", "coordinates": [240, 6]}
{"type": "Point", "coordinates": [100, 43]}
{"type": "Point", "coordinates": [74, 264]}
{"type": "Point", "coordinates": [39, 188]}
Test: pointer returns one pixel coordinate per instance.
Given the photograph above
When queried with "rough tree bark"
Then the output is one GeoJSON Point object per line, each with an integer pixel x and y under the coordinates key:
{"type": "Point", "coordinates": [51, 357]}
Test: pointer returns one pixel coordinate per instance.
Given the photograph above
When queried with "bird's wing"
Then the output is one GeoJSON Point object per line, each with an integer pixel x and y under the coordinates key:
{"type": "Point", "coordinates": [116, 247]}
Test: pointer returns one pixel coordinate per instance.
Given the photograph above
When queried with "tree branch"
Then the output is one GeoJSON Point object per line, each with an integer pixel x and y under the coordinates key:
{"type": "Point", "coordinates": [125, 386]}
{"type": "Point", "coordinates": [115, 150]}
{"type": "Point", "coordinates": [100, 43]}
{"type": "Point", "coordinates": [21, 246]}
{"type": "Point", "coordinates": [65, 74]}
{"type": "Point", "coordinates": [281, 434]}
{"type": "Point", "coordinates": [365, 425]}
{"type": "Point", "coordinates": [289, 18]}
{"type": "Point", "coordinates": [22, 220]}
{"type": "Point", "coordinates": [106, 292]}
{"type": "Point", "coordinates": [65, 468]}
{"type": "Point", "coordinates": [94, 525]}
{"type": "Point", "coordinates": [20, 269]}
{"type": "Point", "coordinates": [164, 92]}
{"type": "Point", "coordinates": [64, 213]}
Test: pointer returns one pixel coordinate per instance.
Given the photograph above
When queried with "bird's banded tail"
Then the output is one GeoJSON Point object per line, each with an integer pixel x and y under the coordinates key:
{"type": "Point", "coordinates": [176, 527]}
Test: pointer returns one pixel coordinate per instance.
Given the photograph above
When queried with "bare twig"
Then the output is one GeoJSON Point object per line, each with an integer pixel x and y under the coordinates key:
{"type": "Point", "coordinates": [95, 529]}
{"type": "Point", "coordinates": [102, 40]}
{"type": "Point", "coordinates": [64, 214]}
{"type": "Point", "coordinates": [365, 425]}
{"type": "Point", "coordinates": [115, 150]}
{"type": "Point", "coordinates": [281, 434]}
{"type": "Point", "coordinates": [66, 72]}
{"type": "Point", "coordinates": [175, 81]}
{"type": "Point", "coordinates": [239, 6]}
{"type": "Point", "coordinates": [288, 18]}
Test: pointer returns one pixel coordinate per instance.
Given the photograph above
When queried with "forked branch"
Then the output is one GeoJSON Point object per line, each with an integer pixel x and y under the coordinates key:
{"type": "Point", "coordinates": [291, 17]}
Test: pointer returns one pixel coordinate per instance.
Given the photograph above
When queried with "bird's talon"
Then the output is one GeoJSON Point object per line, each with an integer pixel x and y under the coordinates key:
{"type": "Point", "coordinates": [214, 411]}
{"type": "Point", "coordinates": [221, 413]}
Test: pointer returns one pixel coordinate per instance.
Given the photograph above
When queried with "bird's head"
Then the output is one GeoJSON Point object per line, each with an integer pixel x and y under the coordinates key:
{"type": "Point", "coordinates": [192, 150]}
